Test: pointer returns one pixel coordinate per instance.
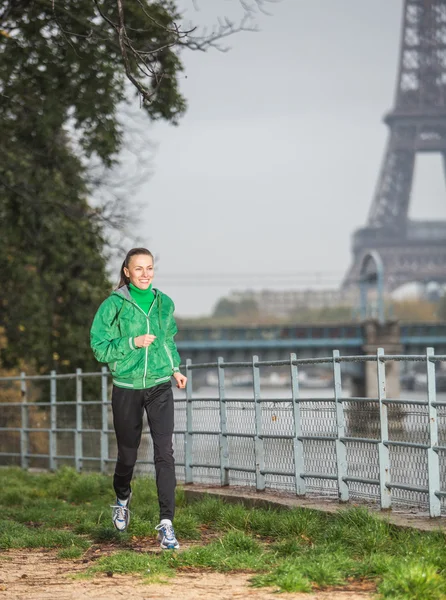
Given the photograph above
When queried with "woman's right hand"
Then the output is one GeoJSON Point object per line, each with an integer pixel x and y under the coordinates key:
{"type": "Point", "coordinates": [143, 341]}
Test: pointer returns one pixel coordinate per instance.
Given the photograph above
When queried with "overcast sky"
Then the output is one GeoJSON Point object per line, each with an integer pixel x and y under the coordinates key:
{"type": "Point", "coordinates": [276, 160]}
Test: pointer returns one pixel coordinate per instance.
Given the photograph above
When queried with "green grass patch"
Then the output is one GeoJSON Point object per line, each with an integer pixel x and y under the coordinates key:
{"type": "Point", "coordinates": [187, 526]}
{"type": "Point", "coordinates": [234, 551]}
{"type": "Point", "coordinates": [290, 550]}
{"type": "Point", "coordinates": [359, 531]}
{"type": "Point", "coordinates": [128, 562]}
{"type": "Point", "coordinates": [208, 510]}
{"type": "Point", "coordinates": [70, 553]}
{"type": "Point", "coordinates": [413, 581]}
{"type": "Point", "coordinates": [286, 578]}
{"type": "Point", "coordinates": [16, 535]}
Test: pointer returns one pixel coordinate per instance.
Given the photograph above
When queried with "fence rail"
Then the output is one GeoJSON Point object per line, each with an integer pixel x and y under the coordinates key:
{"type": "Point", "coordinates": [388, 450]}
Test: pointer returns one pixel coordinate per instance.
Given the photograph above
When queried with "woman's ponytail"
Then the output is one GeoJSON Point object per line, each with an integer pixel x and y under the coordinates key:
{"type": "Point", "coordinates": [123, 279]}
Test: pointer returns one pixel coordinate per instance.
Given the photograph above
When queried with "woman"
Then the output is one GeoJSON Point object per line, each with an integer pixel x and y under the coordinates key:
{"type": "Point", "coordinates": [133, 331]}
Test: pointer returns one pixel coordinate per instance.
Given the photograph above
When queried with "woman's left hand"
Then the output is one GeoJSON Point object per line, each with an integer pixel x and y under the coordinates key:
{"type": "Point", "coordinates": [180, 379]}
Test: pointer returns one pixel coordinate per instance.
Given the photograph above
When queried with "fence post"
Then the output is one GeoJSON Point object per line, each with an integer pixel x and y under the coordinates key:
{"type": "Point", "coordinates": [259, 448]}
{"type": "Point", "coordinates": [433, 461]}
{"type": "Point", "coordinates": [341, 451]}
{"type": "Point", "coordinates": [24, 434]}
{"type": "Point", "coordinates": [78, 434]}
{"type": "Point", "coordinates": [53, 421]}
{"type": "Point", "coordinates": [188, 451]}
{"type": "Point", "coordinates": [224, 449]}
{"type": "Point", "coordinates": [298, 445]}
{"type": "Point", "coordinates": [383, 449]}
{"type": "Point", "coordinates": [104, 419]}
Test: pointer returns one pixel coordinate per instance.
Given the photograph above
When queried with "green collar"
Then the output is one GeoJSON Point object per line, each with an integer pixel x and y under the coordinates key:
{"type": "Point", "coordinates": [143, 298]}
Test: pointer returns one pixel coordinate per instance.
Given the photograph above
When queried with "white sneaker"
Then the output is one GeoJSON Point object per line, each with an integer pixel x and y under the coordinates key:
{"type": "Point", "coordinates": [121, 513]}
{"type": "Point", "coordinates": [166, 536]}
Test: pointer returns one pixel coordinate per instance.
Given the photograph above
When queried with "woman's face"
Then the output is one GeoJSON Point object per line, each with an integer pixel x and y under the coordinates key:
{"type": "Point", "coordinates": [140, 271]}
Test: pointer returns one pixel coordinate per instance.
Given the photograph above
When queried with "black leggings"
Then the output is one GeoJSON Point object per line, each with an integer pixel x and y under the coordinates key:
{"type": "Point", "coordinates": [128, 410]}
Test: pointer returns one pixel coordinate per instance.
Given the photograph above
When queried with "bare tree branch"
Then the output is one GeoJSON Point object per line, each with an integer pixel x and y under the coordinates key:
{"type": "Point", "coordinates": [144, 61]}
{"type": "Point", "coordinates": [181, 38]}
{"type": "Point", "coordinates": [140, 58]}
{"type": "Point", "coordinates": [225, 28]}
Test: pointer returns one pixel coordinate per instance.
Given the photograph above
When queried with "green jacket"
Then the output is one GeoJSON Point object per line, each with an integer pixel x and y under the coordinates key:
{"type": "Point", "coordinates": [117, 322]}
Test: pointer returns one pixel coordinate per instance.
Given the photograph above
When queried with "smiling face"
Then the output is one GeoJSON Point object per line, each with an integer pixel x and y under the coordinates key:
{"type": "Point", "coordinates": [140, 271]}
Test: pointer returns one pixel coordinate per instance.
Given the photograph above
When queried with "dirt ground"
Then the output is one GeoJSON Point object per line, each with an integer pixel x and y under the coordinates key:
{"type": "Point", "coordinates": [37, 575]}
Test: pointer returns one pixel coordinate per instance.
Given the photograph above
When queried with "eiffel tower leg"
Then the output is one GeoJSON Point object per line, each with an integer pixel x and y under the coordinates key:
{"type": "Point", "coordinates": [391, 203]}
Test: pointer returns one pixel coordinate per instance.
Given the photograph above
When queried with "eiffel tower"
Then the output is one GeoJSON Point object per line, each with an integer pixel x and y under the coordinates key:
{"type": "Point", "coordinates": [411, 251]}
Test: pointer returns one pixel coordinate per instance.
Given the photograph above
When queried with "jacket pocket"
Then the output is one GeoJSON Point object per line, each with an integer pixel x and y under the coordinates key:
{"type": "Point", "coordinates": [127, 366]}
{"type": "Point", "coordinates": [159, 363]}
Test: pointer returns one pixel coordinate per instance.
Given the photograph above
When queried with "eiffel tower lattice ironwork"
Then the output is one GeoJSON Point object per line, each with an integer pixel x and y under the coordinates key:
{"type": "Point", "coordinates": [410, 250]}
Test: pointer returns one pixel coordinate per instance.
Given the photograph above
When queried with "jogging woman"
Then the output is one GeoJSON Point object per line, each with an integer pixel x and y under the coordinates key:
{"type": "Point", "coordinates": [133, 331]}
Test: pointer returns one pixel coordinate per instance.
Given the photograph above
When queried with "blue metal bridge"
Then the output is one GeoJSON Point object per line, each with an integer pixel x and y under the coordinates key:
{"type": "Point", "coordinates": [276, 341]}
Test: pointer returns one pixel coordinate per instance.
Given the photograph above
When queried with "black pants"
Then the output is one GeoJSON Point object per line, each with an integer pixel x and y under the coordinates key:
{"type": "Point", "coordinates": [128, 410]}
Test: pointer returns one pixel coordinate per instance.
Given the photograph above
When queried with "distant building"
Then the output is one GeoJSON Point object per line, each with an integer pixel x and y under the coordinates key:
{"type": "Point", "coordinates": [282, 303]}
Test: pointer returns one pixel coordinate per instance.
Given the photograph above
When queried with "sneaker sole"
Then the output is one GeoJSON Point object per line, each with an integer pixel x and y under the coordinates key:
{"type": "Point", "coordinates": [173, 547]}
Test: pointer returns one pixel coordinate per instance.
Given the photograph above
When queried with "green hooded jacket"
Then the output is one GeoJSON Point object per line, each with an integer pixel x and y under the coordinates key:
{"type": "Point", "coordinates": [117, 322]}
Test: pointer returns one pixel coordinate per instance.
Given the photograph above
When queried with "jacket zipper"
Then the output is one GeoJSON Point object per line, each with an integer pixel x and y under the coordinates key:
{"type": "Point", "coordinates": [147, 349]}
{"type": "Point", "coordinates": [146, 359]}
{"type": "Point", "coordinates": [169, 355]}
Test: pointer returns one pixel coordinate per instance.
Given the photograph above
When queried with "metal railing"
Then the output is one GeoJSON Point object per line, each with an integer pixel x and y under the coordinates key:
{"type": "Point", "coordinates": [388, 450]}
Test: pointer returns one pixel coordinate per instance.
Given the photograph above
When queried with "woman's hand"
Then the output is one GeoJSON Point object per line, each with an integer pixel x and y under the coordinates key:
{"type": "Point", "coordinates": [143, 341]}
{"type": "Point", "coordinates": [180, 379]}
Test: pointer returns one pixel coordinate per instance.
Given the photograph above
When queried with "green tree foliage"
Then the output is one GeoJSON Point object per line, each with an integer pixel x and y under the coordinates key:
{"type": "Point", "coordinates": [62, 60]}
{"type": "Point", "coordinates": [66, 69]}
{"type": "Point", "coordinates": [329, 314]}
{"type": "Point", "coordinates": [53, 272]}
{"type": "Point", "coordinates": [62, 80]}
{"type": "Point", "coordinates": [225, 308]}
{"type": "Point", "coordinates": [245, 309]}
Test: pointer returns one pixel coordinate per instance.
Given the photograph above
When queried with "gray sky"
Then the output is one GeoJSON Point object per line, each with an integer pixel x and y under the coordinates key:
{"type": "Point", "coordinates": [276, 161]}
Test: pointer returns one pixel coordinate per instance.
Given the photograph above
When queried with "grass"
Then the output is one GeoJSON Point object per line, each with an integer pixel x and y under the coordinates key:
{"type": "Point", "coordinates": [295, 550]}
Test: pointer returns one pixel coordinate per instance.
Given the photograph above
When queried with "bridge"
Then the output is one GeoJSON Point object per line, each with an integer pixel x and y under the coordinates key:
{"type": "Point", "coordinates": [275, 342]}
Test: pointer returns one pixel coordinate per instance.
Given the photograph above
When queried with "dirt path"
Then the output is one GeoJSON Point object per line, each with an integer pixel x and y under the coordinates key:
{"type": "Point", "coordinates": [37, 575]}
